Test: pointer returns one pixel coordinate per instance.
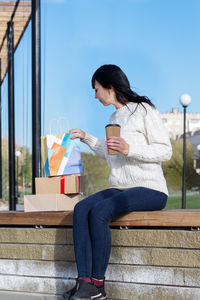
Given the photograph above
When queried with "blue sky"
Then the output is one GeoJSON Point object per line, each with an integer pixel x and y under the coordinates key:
{"type": "Point", "coordinates": [155, 42]}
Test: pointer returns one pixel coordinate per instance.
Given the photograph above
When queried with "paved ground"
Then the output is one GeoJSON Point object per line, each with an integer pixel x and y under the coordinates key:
{"type": "Point", "coordinates": [22, 296]}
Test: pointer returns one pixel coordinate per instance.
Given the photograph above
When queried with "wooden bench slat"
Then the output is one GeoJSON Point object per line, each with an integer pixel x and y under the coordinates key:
{"type": "Point", "coordinates": [164, 218]}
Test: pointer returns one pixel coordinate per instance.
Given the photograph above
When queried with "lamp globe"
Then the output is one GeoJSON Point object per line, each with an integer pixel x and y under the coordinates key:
{"type": "Point", "coordinates": [185, 99]}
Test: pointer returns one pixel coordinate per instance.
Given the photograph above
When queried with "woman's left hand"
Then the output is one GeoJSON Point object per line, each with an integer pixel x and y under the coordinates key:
{"type": "Point", "coordinates": [118, 143]}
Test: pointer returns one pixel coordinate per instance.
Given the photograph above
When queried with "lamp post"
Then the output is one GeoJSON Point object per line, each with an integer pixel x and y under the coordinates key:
{"type": "Point", "coordinates": [17, 154]}
{"type": "Point", "coordinates": [185, 101]}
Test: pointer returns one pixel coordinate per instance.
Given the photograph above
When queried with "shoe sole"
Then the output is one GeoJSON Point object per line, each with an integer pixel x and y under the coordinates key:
{"type": "Point", "coordinates": [93, 298]}
{"type": "Point", "coordinates": [104, 298]}
{"type": "Point", "coordinates": [67, 297]}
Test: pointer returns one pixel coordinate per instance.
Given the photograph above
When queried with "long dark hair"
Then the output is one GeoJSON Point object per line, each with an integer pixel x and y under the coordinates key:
{"type": "Point", "coordinates": [112, 76]}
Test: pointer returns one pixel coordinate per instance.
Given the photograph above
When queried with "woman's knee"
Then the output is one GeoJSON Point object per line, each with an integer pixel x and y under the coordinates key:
{"type": "Point", "coordinates": [99, 214]}
{"type": "Point", "coordinates": [79, 209]}
{"type": "Point", "coordinates": [83, 207]}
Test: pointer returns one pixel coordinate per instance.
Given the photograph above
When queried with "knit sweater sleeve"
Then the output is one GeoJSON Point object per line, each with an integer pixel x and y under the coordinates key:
{"type": "Point", "coordinates": [158, 146]}
{"type": "Point", "coordinates": [95, 144]}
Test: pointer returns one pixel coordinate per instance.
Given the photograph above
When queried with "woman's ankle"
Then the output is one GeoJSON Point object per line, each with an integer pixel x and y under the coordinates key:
{"type": "Point", "coordinates": [98, 282]}
{"type": "Point", "coordinates": [86, 279]}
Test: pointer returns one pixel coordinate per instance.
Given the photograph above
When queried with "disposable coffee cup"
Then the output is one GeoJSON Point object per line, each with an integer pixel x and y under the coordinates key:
{"type": "Point", "coordinates": [112, 130]}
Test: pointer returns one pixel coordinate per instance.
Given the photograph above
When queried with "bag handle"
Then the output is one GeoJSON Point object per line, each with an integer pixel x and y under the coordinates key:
{"type": "Point", "coordinates": [51, 125]}
{"type": "Point", "coordinates": [65, 124]}
{"type": "Point", "coordinates": [59, 125]}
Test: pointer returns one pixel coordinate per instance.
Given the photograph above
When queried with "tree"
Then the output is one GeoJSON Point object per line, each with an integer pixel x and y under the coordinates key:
{"type": "Point", "coordinates": [96, 173]}
{"type": "Point", "coordinates": [25, 167]}
{"type": "Point", "coordinates": [4, 168]}
{"type": "Point", "coordinates": [173, 168]}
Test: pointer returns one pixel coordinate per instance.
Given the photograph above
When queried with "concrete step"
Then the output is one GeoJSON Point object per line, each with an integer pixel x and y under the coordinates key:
{"type": "Point", "coordinates": [174, 276]}
{"type": "Point", "coordinates": [119, 255]}
{"type": "Point", "coordinates": [121, 291]}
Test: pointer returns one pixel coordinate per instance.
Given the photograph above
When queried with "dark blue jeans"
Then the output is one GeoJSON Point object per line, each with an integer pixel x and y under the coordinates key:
{"type": "Point", "coordinates": [92, 239]}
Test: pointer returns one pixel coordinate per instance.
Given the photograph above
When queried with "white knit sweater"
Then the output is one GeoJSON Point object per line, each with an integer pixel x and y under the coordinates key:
{"type": "Point", "coordinates": [149, 145]}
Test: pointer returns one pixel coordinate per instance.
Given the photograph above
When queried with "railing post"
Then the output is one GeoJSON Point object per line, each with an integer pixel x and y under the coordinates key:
{"type": "Point", "coordinates": [11, 117]}
{"type": "Point", "coordinates": [0, 136]}
{"type": "Point", "coordinates": [36, 92]}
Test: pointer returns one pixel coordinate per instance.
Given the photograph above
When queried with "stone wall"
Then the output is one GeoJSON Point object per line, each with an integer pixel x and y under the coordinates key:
{"type": "Point", "coordinates": [145, 264]}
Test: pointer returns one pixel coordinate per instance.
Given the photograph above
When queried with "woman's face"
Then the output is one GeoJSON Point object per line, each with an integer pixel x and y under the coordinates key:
{"type": "Point", "coordinates": [105, 96]}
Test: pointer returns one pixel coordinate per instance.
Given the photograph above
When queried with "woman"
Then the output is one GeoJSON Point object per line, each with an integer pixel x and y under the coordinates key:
{"type": "Point", "coordinates": [136, 178]}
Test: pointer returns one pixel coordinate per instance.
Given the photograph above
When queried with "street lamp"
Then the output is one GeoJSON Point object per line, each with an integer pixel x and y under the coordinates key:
{"type": "Point", "coordinates": [185, 101]}
{"type": "Point", "coordinates": [17, 154]}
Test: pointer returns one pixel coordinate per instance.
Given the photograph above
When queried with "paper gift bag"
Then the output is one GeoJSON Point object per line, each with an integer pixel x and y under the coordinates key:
{"type": "Point", "coordinates": [61, 155]}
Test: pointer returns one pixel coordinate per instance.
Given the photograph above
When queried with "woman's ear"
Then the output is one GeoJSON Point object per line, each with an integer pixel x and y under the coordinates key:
{"type": "Point", "coordinates": [111, 89]}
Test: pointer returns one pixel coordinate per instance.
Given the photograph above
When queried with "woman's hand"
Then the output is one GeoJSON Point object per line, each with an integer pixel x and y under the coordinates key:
{"type": "Point", "coordinates": [118, 143]}
{"type": "Point", "coordinates": [78, 133]}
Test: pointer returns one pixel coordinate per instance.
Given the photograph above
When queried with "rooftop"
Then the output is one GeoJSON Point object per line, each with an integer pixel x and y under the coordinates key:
{"type": "Point", "coordinates": [20, 13]}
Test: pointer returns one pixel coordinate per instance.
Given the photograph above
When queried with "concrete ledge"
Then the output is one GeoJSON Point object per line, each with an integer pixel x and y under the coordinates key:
{"type": "Point", "coordinates": [119, 255]}
{"type": "Point", "coordinates": [161, 238]}
{"type": "Point", "coordinates": [144, 264]}
{"type": "Point", "coordinates": [120, 290]}
{"type": "Point", "coordinates": [173, 276]}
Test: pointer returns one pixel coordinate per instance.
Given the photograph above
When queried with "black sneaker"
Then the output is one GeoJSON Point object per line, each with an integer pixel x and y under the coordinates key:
{"type": "Point", "coordinates": [102, 291]}
{"type": "Point", "coordinates": [87, 291]}
{"type": "Point", "coordinates": [68, 294]}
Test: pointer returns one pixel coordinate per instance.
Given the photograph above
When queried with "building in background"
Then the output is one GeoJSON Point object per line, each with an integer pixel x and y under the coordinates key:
{"type": "Point", "coordinates": [173, 121]}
